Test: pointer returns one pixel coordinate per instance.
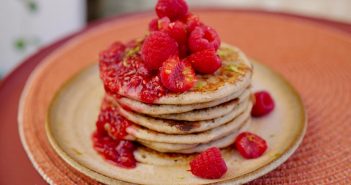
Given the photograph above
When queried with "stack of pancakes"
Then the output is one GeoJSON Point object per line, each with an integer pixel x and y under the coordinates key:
{"type": "Point", "coordinates": [210, 114]}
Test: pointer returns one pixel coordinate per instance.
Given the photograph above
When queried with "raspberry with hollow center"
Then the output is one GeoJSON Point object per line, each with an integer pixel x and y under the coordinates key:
{"type": "Point", "coordinates": [264, 104]}
{"type": "Point", "coordinates": [173, 9]}
{"type": "Point", "coordinates": [157, 48]}
{"type": "Point", "coordinates": [177, 76]}
{"type": "Point", "coordinates": [250, 145]}
{"type": "Point", "coordinates": [205, 62]}
{"type": "Point", "coordinates": [203, 38]}
{"type": "Point", "coordinates": [209, 164]}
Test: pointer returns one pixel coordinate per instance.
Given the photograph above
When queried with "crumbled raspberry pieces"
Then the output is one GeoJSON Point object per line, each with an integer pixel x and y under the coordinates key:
{"type": "Point", "coordinates": [173, 9]}
{"type": "Point", "coordinates": [209, 164]}
{"type": "Point", "coordinates": [119, 152]}
{"type": "Point", "coordinates": [177, 76]}
{"type": "Point", "coordinates": [250, 145]}
{"type": "Point", "coordinates": [113, 123]}
{"type": "Point", "coordinates": [111, 55]}
{"type": "Point", "coordinates": [157, 48]}
{"type": "Point", "coordinates": [264, 104]}
{"type": "Point", "coordinates": [205, 62]}
{"type": "Point", "coordinates": [203, 38]}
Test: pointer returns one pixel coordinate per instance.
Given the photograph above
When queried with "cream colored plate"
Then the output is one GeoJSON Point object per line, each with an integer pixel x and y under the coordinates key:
{"type": "Point", "coordinates": [72, 116]}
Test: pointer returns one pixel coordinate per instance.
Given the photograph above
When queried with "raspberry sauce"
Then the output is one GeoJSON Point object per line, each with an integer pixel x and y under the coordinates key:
{"type": "Point", "coordinates": [109, 137]}
{"type": "Point", "coordinates": [129, 76]}
{"type": "Point", "coordinates": [118, 152]}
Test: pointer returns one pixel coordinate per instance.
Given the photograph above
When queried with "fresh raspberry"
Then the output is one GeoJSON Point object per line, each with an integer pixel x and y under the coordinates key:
{"type": "Point", "coordinates": [264, 104]}
{"type": "Point", "coordinates": [206, 61]}
{"type": "Point", "coordinates": [177, 30]}
{"type": "Point", "coordinates": [118, 151]}
{"type": "Point", "coordinates": [209, 164]}
{"type": "Point", "coordinates": [250, 145]}
{"type": "Point", "coordinates": [163, 23]}
{"type": "Point", "coordinates": [113, 123]}
{"type": "Point", "coordinates": [113, 54]}
{"type": "Point", "coordinates": [192, 21]}
{"type": "Point", "coordinates": [173, 9]}
{"type": "Point", "coordinates": [177, 76]}
{"type": "Point", "coordinates": [202, 38]}
{"type": "Point", "coordinates": [183, 50]}
{"type": "Point", "coordinates": [157, 48]}
{"type": "Point", "coordinates": [153, 25]}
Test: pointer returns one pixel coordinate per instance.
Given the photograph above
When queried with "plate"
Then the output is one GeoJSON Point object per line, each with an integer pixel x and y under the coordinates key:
{"type": "Point", "coordinates": [300, 50]}
{"type": "Point", "coordinates": [71, 122]}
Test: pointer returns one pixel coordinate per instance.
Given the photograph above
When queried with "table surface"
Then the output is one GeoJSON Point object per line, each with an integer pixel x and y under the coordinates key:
{"type": "Point", "coordinates": [15, 167]}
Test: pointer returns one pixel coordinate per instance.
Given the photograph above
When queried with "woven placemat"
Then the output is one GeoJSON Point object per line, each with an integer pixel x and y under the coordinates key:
{"type": "Point", "coordinates": [315, 59]}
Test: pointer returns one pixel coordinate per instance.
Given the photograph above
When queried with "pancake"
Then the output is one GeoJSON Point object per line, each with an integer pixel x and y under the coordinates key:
{"type": "Point", "coordinates": [207, 113]}
{"type": "Point", "coordinates": [182, 127]}
{"type": "Point", "coordinates": [157, 109]}
{"type": "Point", "coordinates": [202, 137]}
{"type": "Point", "coordinates": [188, 149]}
{"type": "Point", "coordinates": [234, 75]}
{"type": "Point", "coordinates": [149, 156]}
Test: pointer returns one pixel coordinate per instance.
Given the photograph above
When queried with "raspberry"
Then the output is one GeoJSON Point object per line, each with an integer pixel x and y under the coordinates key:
{"type": "Point", "coordinates": [113, 54]}
{"type": "Point", "coordinates": [209, 164]}
{"type": "Point", "coordinates": [264, 104]}
{"type": "Point", "coordinates": [173, 9]}
{"type": "Point", "coordinates": [157, 47]}
{"type": "Point", "coordinates": [192, 21]}
{"type": "Point", "coordinates": [202, 38]}
{"type": "Point", "coordinates": [206, 61]}
{"type": "Point", "coordinates": [177, 76]}
{"type": "Point", "coordinates": [250, 145]}
{"type": "Point", "coordinates": [113, 123]}
{"type": "Point", "coordinates": [177, 30]}
{"type": "Point", "coordinates": [153, 25]}
{"type": "Point", "coordinates": [183, 50]}
{"type": "Point", "coordinates": [163, 23]}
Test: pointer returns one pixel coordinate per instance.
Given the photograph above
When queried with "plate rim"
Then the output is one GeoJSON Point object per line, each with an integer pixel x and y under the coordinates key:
{"type": "Point", "coordinates": [247, 177]}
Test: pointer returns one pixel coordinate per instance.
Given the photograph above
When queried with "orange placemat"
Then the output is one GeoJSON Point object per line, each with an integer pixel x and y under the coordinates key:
{"type": "Point", "coordinates": [315, 59]}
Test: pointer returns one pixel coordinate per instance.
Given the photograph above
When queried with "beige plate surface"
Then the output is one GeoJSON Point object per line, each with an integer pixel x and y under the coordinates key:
{"type": "Point", "coordinates": [73, 113]}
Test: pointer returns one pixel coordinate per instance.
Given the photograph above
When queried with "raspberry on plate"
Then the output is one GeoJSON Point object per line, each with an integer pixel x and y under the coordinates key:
{"type": "Point", "coordinates": [206, 61]}
{"type": "Point", "coordinates": [250, 145]}
{"type": "Point", "coordinates": [173, 9]}
{"type": "Point", "coordinates": [209, 164]}
{"type": "Point", "coordinates": [264, 104]}
{"type": "Point", "coordinates": [177, 76]}
{"type": "Point", "coordinates": [157, 48]}
{"type": "Point", "coordinates": [202, 38]}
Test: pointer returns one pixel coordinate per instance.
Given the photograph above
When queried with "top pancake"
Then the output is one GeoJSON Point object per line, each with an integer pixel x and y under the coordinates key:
{"type": "Point", "coordinates": [234, 75]}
